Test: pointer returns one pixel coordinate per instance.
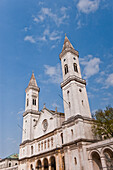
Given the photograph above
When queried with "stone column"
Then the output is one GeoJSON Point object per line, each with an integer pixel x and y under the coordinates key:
{"type": "Point", "coordinates": [91, 164]}
{"type": "Point", "coordinates": [103, 162]}
{"type": "Point", "coordinates": [49, 167]}
{"type": "Point", "coordinates": [67, 159]}
{"type": "Point", "coordinates": [58, 160]}
{"type": "Point", "coordinates": [42, 164]}
{"type": "Point", "coordinates": [49, 161]}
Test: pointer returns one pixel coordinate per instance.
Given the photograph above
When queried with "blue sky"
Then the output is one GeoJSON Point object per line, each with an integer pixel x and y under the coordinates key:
{"type": "Point", "coordinates": [31, 39]}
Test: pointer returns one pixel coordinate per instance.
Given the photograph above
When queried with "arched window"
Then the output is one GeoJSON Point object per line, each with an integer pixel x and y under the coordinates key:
{"type": "Point", "coordinates": [66, 68]}
{"type": "Point", "coordinates": [68, 92]}
{"type": "Point", "coordinates": [9, 164]}
{"type": "Point", "coordinates": [75, 67]}
{"type": "Point", "coordinates": [51, 142]}
{"type": "Point", "coordinates": [62, 138]}
{"type": "Point", "coordinates": [82, 102]}
{"type": "Point", "coordinates": [53, 163]}
{"type": "Point", "coordinates": [75, 159]}
{"type": "Point", "coordinates": [27, 102]}
{"type": "Point", "coordinates": [39, 165]}
{"type": "Point", "coordinates": [63, 163]}
{"type": "Point", "coordinates": [46, 164]}
{"type": "Point", "coordinates": [34, 102]}
{"type": "Point", "coordinates": [72, 132]}
{"type": "Point", "coordinates": [32, 167]}
{"type": "Point", "coordinates": [31, 149]}
{"type": "Point", "coordinates": [108, 153]}
{"type": "Point", "coordinates": [69, 104]}
{"type": "Point", "coordinates": [48, 143]}
{"type": "Point", "coordinates": [44, 144]}
{"type": "Point", "coordinates": [39, 147]}
{"type": "Point", "coordinates": [96, 161]}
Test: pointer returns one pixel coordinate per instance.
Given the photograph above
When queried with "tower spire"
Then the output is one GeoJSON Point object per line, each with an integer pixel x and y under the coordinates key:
{"type": "Point", "coordinates": [68, 47]}
{"type": "Point", "coordinates": [67, 43]}
{"type": "Point", "coordinates": [32, 81]}
{"type": "Point", "coordinates": [32, 95]}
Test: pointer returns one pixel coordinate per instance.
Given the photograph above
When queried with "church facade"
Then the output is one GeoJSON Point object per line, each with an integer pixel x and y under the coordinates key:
{"type": "Point", "coordinates": [62, 141]}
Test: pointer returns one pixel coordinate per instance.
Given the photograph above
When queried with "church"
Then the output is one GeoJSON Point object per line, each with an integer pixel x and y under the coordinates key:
{"type": "Point", "coordinates": [52, 140]}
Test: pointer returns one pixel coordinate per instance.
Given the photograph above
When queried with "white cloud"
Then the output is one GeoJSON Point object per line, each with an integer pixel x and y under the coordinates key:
{"type": "Point", "coordinates": [53, 36]}
{"type": "Point", "coordinates": [87, 6]}
{"type": "Point", "coordinates": [46, 35]}
{"type": "Point", "coordinates": [43, 38]}
{"type": "Point", "coordinates": [21, 112]}
{"type": "Point", "coordinates": [63, 9]}
{"type": "Point", "coordinates": [79, 24]}
{"type": "Point", "coordinates": [91, 66]}
{"type": "Point", "coordinates": [27, 28]}
{"type": "Point", "coordinates": [11, 140]}
{"type": "Point", "coordinates": [109, 80]}
{"type": "Point", "coordinates": [90, 95]}
{"type": "Point", "coordinates": [36, 19]}
{"type": "Point", "coordinates": [53, 46]}
{"type": "Point", "coordinates": [99, 79]}
{"type": "Point", "coordinates": [30, 39]}
{"type": "Point", "coordinates": [55, 105]}
{"type": "Point", "coordinates": [47, 12]}
{"type": "Point", "coordinates": [54, 73]}
{"type": "Point", "coordinates": [46, 31]}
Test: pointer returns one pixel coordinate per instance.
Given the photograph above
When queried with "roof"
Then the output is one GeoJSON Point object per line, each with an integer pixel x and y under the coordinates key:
{"type": "Point", "coordinates": [67, 44]}
{"type": "Point", "coordinates": [59, 113]}
{"type": "Point", "coordinates": [67, 47]}
{"type": "Point", "coordinates": [13, 156]}
{"type": "Point", "coordinates": [54, 112]}
{"type": "Point", "coordinates": [32, 83]}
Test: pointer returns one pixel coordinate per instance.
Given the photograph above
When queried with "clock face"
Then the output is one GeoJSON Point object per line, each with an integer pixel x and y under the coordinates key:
{"type": "Point", "coordinates": [44, 124]}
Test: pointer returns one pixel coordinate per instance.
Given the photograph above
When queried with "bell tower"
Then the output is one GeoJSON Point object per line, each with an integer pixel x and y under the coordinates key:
{"type": "Point", "coordinates": [73, 86]}
{"type": "Point", "coordinates": [31, 113]}
{"type": "Point", "coordinates": [32, 95]}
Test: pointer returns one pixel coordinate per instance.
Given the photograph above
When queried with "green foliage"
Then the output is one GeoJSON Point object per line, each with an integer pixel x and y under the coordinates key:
{"type": "Point", "coordinates": [103, 123]}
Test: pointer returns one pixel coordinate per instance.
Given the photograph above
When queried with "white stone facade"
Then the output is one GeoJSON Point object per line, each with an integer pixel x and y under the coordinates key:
{"type": "Point", "coordinates": [9, 163]}
{"type": "Point", "coordinates": [62, 141]}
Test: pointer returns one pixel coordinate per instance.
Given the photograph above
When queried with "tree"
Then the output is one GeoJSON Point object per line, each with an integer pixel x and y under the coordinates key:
{"type": "Point", "coordinates": [103, 123]}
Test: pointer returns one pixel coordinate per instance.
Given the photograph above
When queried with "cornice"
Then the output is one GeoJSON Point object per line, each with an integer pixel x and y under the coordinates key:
{"type": "Point", "coordinates": [76, 142]}
{"type": "Point", "coordinates": [71, 78]}
{"type": "Point", "coordinates": [74, 118]}
{"type": "Point", "coordinates": [32, 87]}
{"type": "Point", "coordinates": [50, 134]}
{"type": "Point", "coordinates": [61, 149]}
{"type": "Point", "coordinates": [31, 112]}
{"type": "Point", "coordinates": [68, 50]}
{"type": "Point", "coordinates": [55, 150]}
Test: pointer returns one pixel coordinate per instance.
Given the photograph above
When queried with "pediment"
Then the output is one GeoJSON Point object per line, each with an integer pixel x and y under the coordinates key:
{"type": "Point", "coordinates": [46, 123]}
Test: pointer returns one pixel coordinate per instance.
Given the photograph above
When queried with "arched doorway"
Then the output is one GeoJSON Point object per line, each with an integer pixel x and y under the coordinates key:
{"type": "Point", "coordinates": [46, 165]}
{"type": "Point", "coordinates": [53, 163]}
{"type": "Point", "coordinates": [39, 165]}
{"type": "Point", "coordinates": [31, 166]}
{"type": "Point", "coordinates": [96, 161]}
{"type": "Point", "coordinates": [108, 153]}
{"type": "Point", "coordinates": [63, 163]}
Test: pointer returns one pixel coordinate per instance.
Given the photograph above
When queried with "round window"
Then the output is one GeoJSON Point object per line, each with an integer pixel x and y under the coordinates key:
{"type": "Point", "coordinates": [44, 124]}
